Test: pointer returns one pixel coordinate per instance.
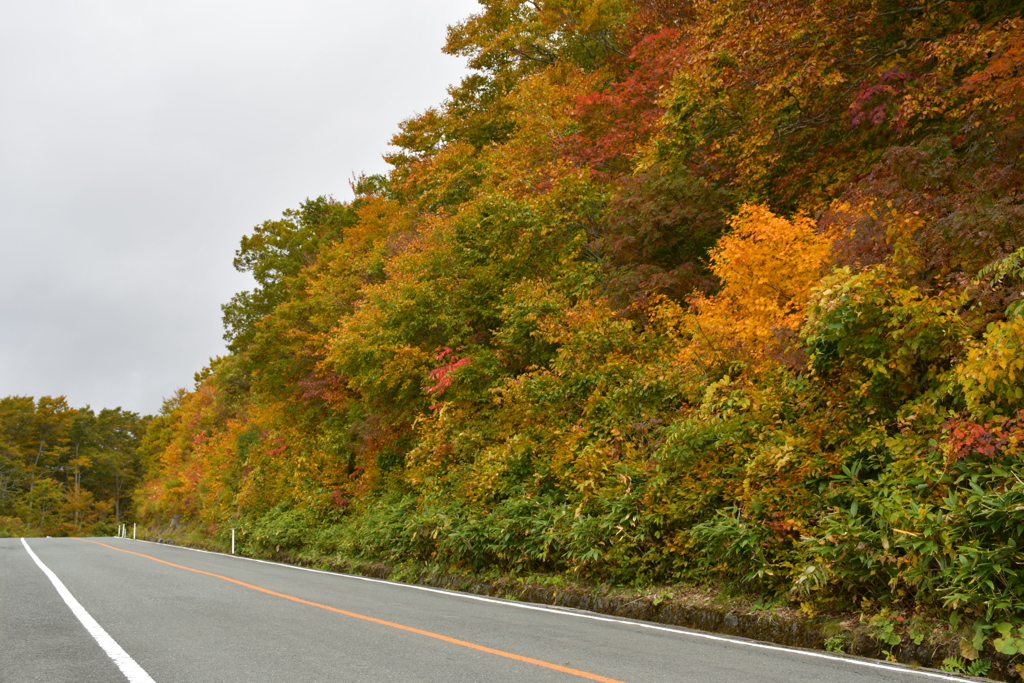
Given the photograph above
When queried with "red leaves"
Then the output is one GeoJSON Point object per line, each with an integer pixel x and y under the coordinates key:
{"type": "Point", "coordinates": [972, 438]}
{"type": "Point", "coordinates": [279, 451]}
{"type": "Point", "coordinates": [965, 438]}
{"type": "Point", "coordinates": [1001, 82]}
{"type": "Point", "coordinates": [617, 122]}
{"type": "Point", "coordinates": [442, 375]}
{"type": "Point", "coordinates": [873, 102]}
{"type": "Point", "coordinates": [322, 385]}
{"type": "Point", "coordinates": [339, 501]}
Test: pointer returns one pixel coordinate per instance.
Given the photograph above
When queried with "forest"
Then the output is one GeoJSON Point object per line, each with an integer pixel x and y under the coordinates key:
{"type": "Point", "coordinates": [66, 471]}
{"type": "Point", "coordinates": [664, 291]}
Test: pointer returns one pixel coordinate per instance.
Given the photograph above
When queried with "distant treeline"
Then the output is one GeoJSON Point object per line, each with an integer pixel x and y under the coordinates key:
{"type": "Point", "coordinates": [63, 470]}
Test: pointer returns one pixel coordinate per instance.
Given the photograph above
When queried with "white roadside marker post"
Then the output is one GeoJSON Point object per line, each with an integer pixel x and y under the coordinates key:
{"type": "Point", "coordinates": [135, 526]}
{"type": "Point", "coordinates": [232, 541]}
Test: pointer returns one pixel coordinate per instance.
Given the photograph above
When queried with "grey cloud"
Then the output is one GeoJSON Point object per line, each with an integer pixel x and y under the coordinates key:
{"type": "Point", "coordinates": [139, 141]}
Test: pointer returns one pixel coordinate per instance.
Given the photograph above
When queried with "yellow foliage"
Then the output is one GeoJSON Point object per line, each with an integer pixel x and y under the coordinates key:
{"type": "Point", "coordinates": [543, 108]}
{"type": "Point", "coordinates": [993, 373]}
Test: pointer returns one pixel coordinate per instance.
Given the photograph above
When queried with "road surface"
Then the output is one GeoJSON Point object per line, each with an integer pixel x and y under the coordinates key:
{"type": "Point", "coordinates": [168, 614]}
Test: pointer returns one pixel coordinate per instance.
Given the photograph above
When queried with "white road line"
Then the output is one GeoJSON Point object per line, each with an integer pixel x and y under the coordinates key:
{"type": "Point", "coordinates": [128, 666]}
{"type": "Point", "coordinates": [572, 612]}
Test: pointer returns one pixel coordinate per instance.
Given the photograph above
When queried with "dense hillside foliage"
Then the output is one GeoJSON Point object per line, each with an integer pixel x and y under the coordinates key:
{"type": "Point", "coordinates": [65, 471]}
{"type": "Point", "coordinates": [665, 290]}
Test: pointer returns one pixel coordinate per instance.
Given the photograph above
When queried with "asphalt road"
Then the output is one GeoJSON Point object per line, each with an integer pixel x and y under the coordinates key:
{"type": "Point", "coordinates": [184, 615]}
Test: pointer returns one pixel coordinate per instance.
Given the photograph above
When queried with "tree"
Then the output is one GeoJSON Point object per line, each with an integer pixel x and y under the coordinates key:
{"type": "Point", "coordinates": [274, 254]}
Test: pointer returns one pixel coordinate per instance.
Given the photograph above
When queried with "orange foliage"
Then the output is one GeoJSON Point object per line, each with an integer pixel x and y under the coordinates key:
{"type": "Point", "coordinates": [767, 266]}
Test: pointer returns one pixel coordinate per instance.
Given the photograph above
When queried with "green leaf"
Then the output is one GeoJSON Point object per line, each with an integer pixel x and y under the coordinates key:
{"type": "Point", "coordinates": [1006, 646]}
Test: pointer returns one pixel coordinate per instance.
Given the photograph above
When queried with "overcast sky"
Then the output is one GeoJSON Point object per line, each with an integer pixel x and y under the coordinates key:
{"type": "Point", "coordinates": [139, 140]}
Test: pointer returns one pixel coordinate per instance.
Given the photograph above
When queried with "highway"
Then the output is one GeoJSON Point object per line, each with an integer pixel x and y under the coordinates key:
{"type": "Point", "coordinates": [168, 614]}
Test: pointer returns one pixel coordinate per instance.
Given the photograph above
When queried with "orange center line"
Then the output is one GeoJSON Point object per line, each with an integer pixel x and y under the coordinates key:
{"type": "Point", "coordinates": [429, 634]}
